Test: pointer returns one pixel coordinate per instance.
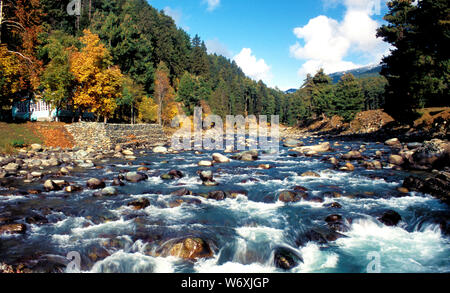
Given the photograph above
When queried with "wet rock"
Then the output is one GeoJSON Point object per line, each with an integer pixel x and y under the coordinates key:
{"type": "Point", "coordinates": [95, 183]}
{"type": "Point", "coordinates": [135, 177]}
{"type": "Point", "coordinates": [217, 195]}
{"type": "Point", "coordinates": [139, 204]}
{"type": "Point", "coordinates": [434, 154]}
{"type": "Point", "coordinates": [320, 235]}
{"type": "Point", "coordinates": [352, 155]}
{"type": "Point", "coordinates": [310, 174]}
{"type": "Point", "coordinates": [176, 174]}
{"type": "Point", "coordinates": [396, 160]}
{"type": "Point", "coordinates": [117, 182]}
{"type": "Point", "coordinates": [73, 188]}
{"type": "Point", "coordinates": [36, 147]}
{"type": "Point", "coordinates": [348, 167]}
{"type": "Point", "coordinates": [50, 185]}
{"type": "Point", "coordinates": [247, 156]}
{"type": "Point", "coordinates": [166, 177]}
{"type": "Point", "coordinates": [11, 167]}
{"type": "Point", "coordinates": [64, 171]}
{"type": "Point", "coordinates": [288, 196]}
{"type": "Point", "coordinates": [188, 248]}
{"type": "Point", "coordinates": [292, 143]}
{"type": "Point", "coordinates": [393, 142]}
{"type": "Point", "coordinates": [143, 169]}
{"type": "Point", "coordinates": [320, 148]}
{"type": "Point", "coordinates": [109, 191]}
{"type": "Point", "coordinates": [206, 175]}
{"type": "Point", "coordinates": [34, 191]}
{"type": "Point", "coordinates": [205, 163]}
{"type": "Point", "coordinates": [265, 166]}
{"type": "Point", "coordinates": [390, 218]}
{"type": "Point", "coordinates": [128, 153]}
{"type": "Point", "coordinates": [235, 194]}
{"type": "Point", "coordinates": [299, 189]}
{"type": "Point", "coordinates": [36, 174]}
{"type": "Point", "coordinates": [377, 165]}
{"type": "Point", "coordinates": [337, 223]}
{"type": "Point", "coordinates": [181, 192]}
{"type": "Point", "coordinates": [286, 258]}
{"type": "Point", "coordinates": [403, 190]}
{"type": "Point", "coordinates": [13, 229]}
{"type": "Point", "coordinates": [36, 220]}
{"type": "Point", "coordinates": [333, 161]}
{"type": "Point", "coordinates": [160, 150]}
{"type": "Point", "coordinates": [438, 186]}
{"type": "Point", "coordinates": [3, 175]}
{"type": "Point", "coordinates": [333, 205]}
{"type": "Point", "coordinates": [219, 158]}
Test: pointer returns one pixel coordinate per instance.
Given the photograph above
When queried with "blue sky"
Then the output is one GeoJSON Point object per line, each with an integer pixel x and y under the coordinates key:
{"type": "Point", "coordinates": [280, 41]}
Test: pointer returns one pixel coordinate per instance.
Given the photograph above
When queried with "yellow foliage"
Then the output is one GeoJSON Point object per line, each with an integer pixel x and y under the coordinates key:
{"type": "Point", "coordinates": [148, 111]}
{"type": "Point", "coordinates": [99, 85]}
{"type": "Point", "coordinates": [9, 73]}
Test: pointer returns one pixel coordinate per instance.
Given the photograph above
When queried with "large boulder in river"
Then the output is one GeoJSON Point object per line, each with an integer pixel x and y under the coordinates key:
{"type": "Point", "coordinates": [219, 158]}
{"type": "Point", "coordinates": [13, 229]}
{"type": "Point", "coordinates": [390, 218]}
{"type": "Point", "coordinates": [396, 160]}
{"type": "Point", "coordinates": [337, 223]}
{"type": "Point", "coordinates": [139, 204]}
{"type": "Point", "coordinates": [320, 235]}
{"type": "Point", "coordinates": [135, 177]}
{"type": "Point", "coordinates": [247, 156]}
{"type": "Point", "coordinates": [393, 142]}
{"type": "Point", "coordinates": [50, 185]}
{"type": "Point", "coordinates": [217, 195]}
{"type": "Point", "coordinates": [160, 150]}
{"type": "Point", "coordinates": [352, 155]}
{"type": "Point", "coordinates": [205, 163]}
{"type": "Point", "coordinates": [286, 259]}
{"type": "Point", "coordinates": [187, 248]}
{"type": "Point", "coordinates": [438, 185]}
{"type": "Point", "coordinates": [95, 183]}
{"type": "Point", "coordinates": [434, 154]}
{"type": "Point", "coordinates": [181, 192]}
{"type": "Point", "coordinates": [320, 148]}
{"type": "Point", "coordinates": [288, 196]}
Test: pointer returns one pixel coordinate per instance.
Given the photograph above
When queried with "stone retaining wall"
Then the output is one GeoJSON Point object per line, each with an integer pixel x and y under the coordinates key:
{"type": "Point", "coordinates": [105, 136]}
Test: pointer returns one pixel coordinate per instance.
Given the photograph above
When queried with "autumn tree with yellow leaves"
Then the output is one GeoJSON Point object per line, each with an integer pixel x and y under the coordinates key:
{"type": "Point", "coordinates": [9, 75]}
{"type": "Point", "coordinates": [99, 84]}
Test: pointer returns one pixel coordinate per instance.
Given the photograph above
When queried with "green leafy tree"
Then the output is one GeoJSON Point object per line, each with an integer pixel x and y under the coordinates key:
{"type": "Point", "coordinates": [418, 68]}
{"type": "Point", "coordinates": [348, 98]}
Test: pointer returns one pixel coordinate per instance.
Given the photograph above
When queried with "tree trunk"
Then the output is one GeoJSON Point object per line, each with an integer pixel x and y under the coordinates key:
{"type": "Point", "coordinates": [105, 119]}
{"type": "Point", "coordinates": [159, 111]}
{"type": "Point", "coordinates": [90, 8]}
{"type": "Point", "coordinates": [1, 19]}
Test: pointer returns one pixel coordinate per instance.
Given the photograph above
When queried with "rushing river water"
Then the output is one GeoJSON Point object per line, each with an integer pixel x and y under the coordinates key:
{"type": "Point", "coordinates": [243, 232]}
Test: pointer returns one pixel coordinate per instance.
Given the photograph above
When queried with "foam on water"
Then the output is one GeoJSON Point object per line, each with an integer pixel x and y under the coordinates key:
{"type": "Point", "coordinates": [399, 250]}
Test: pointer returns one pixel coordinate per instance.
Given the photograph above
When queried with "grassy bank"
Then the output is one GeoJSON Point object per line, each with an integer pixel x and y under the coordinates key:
{"type": "Point", "coordinates": [15, 135]}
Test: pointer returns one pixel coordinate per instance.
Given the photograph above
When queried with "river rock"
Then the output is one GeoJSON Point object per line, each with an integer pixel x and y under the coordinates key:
{"type": "Point", "coordinates": [36, 147]}
{"type": "Point", "coordinates": [333, 205]}
{"type": "Point", "coordinates": [337, 223]}
{"type": "Point", "coordinates": [181, 192]}
{"type": "Point", "coordinates": [247, 156]}
{"type": "Point", "coordinates": [434, 154]}
{"type": "Point", "coordinates": [73, 188]}
{"type": "Point", "coordinates": [176, 174]}
{"type": "Point", "coordinates": [390, 218]}
{"type": "Point", "coordinates": [217, 195]}
{"type": "Point", "coordinates": [36, 174]}
{"type": "Point", "coordinates": [288, 196]}
{"type": "Point", "coordinates": [286, 258]}
{"type": "Point", "coordinates": [50, 185]}
{"type": "Point", "coordinates": [160, 150]}
{"type": "Point", "coordinates": [320, 148]}
{"type": "Point", "coordinates": [219, 158]}
{"type": "Point", "coordinates": [393, 142]}
{"type": "Point", "coordinates": [348, 167]}
{"type": "Point", "coordinates": [437, 185]}
{"type": "Point", "coordinates": [320, 235]}
{"type": "Point", "coordinates": [292, 143]}
{"type": "Point", "coordinates": [135, 177]}
{"type": "Point", "coordinates": [13, 229]}
{"type": "Point", "coordinates": [310, 174]}
{"type": "Point", "coordinates": [205, 163]}
{"type": "Point", "coordinates": [109, 191]}
{"type": "Point", "coordinates": [139, 204]}
{"type": "Point", "coordinates": [95, 183]}
{"type": "Point", "coordinates": [352, 155]}
{"type": "Point", "coordinates": [128, 153]}
{"type": "Point", "coordinates": [64, 171]}
{"type": "Point", "coordinates": [188, 248]}
{"type": "Point", "coordinates": [11, 167]}
{"type": "Point", "coordinates": [396, 160]}
{"type": "Point", "coordinates": [206, 175]}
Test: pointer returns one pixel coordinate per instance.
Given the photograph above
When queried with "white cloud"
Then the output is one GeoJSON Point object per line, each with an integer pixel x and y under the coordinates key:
{"type": "Point", "coordinates": [176, 14]}
{"type": "Point", "coordinates": [327, 43]}
{"type": "Point", "coordinates": [212, 4]}
{"type": "Point", "coordinates": [214, 46]}
{"type": "Point", "coordinates": [255, 68]}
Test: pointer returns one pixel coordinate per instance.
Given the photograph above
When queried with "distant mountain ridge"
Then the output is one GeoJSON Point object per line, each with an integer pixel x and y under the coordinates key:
{"type": "Point", "coordinates": [366, 71]}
